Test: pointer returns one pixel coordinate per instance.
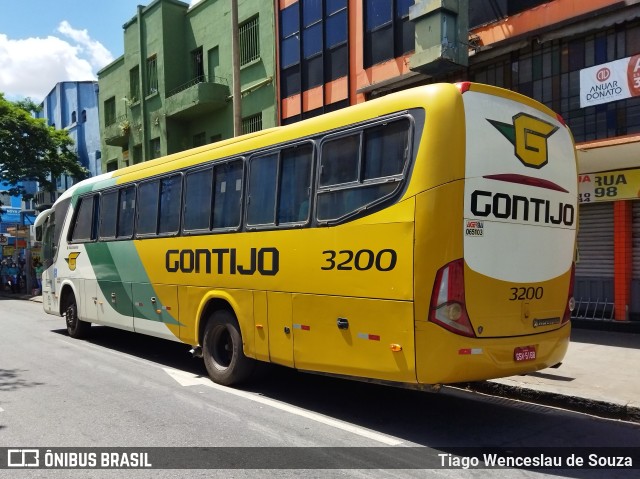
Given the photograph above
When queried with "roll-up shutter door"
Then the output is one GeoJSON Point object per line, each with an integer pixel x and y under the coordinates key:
{"type": "Point", "coordinates": [594, 285]}
{"type": "Point", "coordinates": [634, 307]}
{"type": "Point", "coordinates": [595, 240]}
{"type": "Point", "coordinates": [636, 239]}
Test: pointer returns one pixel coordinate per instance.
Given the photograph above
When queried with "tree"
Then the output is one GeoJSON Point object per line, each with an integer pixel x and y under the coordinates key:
{"type": "Point", "coordinates": [31, 150]}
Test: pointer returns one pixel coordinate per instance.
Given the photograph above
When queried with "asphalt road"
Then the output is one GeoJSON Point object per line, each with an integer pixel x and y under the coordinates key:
{"type": "Point", "coordinates": [119, 389]}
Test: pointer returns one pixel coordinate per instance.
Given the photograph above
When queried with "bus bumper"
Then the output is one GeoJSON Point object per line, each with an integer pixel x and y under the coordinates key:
{"type": "Point", "coordinates": [443, 357]}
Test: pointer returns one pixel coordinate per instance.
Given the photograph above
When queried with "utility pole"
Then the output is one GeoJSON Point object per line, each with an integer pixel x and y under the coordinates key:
{"type": "Point", "coordinates": [235, 54]}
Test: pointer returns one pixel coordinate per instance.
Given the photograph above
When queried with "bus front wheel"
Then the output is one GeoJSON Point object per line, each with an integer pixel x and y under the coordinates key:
{"type": "Point", "coordinates": [222, 350]}
{"type": "Point", "coordinates": [76, 328]}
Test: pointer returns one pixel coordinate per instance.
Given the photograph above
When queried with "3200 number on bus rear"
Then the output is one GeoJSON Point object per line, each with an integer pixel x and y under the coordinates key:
{"type": "Point", "coordinates": [520, 294]}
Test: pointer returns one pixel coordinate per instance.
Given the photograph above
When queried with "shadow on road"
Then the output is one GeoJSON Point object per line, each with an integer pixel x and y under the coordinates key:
{"type": "Point", "coordinates": [10, 380]}
{"type": "Point", "coordinates": [606, 338]}
{"type": "Point", "coordinates": [443, 420]}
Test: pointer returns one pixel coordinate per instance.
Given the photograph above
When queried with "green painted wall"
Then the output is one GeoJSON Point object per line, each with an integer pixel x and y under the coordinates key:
{"type": "Point", "coordinates": [171, 31]}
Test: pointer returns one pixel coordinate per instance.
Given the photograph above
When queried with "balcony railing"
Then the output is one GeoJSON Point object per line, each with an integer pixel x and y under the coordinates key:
{"type": "Point", "coordinates": [200, 95]}
{"type": "Point", "coordinates": [117, 133]}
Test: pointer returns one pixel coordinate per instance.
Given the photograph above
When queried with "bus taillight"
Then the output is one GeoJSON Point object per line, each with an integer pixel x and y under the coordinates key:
{"type": "Point", "coordinates": [571, 302]}
{"type": "Point", "coordinates": [447, 300]}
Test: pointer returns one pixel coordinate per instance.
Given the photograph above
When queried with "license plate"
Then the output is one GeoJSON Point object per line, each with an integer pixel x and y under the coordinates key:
{"type": "Point", "coordinates": [524, 353]}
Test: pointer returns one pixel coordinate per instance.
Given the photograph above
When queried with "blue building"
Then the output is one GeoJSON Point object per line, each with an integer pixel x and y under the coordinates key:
{"type": "Point", "coordinates": [16, 215]}
{"type": "Point", "coordinates": [73, 106]}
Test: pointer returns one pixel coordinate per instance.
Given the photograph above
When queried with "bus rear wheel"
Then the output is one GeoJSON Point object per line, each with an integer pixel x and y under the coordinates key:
{"type": "Point", "coordinates": [222, 350]}
{"type": "Point", "coordinates": [76, 328]}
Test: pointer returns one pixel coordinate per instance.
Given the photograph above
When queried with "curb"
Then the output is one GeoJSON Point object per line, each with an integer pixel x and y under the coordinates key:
{"type": "Point", "coordinates": [605, 409]}
{"type": "Point", "coordinates": [632, 327]}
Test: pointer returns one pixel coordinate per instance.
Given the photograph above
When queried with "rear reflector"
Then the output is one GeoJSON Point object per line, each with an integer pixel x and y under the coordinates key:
{"type": "Point", "coordinates": [571, 302]}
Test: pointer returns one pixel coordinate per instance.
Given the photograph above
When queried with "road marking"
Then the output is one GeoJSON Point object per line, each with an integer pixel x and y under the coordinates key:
{"type": "Point", "coordinates": [189, 379]}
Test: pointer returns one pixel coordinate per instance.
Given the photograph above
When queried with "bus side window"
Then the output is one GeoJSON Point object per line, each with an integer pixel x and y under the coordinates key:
{"type": "Point", "coordinates": [197, 200]}
{"type": "Point", "coordinates": [295, 184]}
{"type": "Point", "coordinates": [126, 215]}
{"type": "Point", "coordinates": [84, 228]}
{"type": "Point", "coordinates": [148, 195]}
{"type": "Point", "coordinates": [108, 214]}
{"type": "Point", "coordinates": [227, 194]}
{"type": "Point", "coordinates": [170, 202]}
{"type": "Point", "coordinates": [261, 204]}
{"type": "Point", "coordinates": [339, 161]}
{"type": "Point", "coordinates": [352, 177]}
{"type": "Point", "coordinates": [385, 150]}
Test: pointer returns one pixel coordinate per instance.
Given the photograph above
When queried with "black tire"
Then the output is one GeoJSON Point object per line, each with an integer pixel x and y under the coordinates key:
{"type": "Point", "coordinates": [222, 350]}
{"type": "Point", "coordinates": [76, 328]}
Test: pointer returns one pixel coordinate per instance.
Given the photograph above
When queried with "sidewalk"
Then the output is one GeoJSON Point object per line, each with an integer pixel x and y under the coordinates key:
{"type": "Point", "coordinates": [599, 375]}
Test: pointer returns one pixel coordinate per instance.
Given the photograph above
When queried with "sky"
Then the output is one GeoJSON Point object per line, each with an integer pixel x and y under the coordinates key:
{"type": "Point", "coordinates": [43, 42]}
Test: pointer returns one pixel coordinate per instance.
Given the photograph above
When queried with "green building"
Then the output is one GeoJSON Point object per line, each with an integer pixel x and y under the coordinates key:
{"type": "Point", "coordinates": [172, 88]}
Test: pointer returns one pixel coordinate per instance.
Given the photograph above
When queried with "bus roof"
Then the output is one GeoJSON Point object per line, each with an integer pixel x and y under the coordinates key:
{"type": "Point", "coordinates": [419, 97]}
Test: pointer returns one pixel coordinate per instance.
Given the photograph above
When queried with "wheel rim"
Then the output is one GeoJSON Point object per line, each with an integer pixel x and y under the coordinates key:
{"type": "Point", "coordinates": [222, 350]}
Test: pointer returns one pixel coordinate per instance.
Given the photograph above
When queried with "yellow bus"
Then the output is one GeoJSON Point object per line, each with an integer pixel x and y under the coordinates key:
{"type": "Point", "coordinates": [423, 238]}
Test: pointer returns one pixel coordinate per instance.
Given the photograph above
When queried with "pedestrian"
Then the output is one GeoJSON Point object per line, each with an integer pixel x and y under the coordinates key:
{"type": "Point", "coordinates": [3, 275]}
{"type": "Point", "coordinates": [38, 270]}
{"type": "Point", "coordinates": [12, 275]}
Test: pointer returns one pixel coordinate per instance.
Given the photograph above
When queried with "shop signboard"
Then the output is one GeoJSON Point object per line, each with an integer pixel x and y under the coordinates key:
{"type": "Point", "coordinates": [609, 186]}
{"type": "Point", "coordinates": [609, 82]}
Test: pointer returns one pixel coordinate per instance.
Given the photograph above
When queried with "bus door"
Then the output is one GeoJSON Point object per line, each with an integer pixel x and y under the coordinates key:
{"type": "Point", "coordinates": [106, 296]}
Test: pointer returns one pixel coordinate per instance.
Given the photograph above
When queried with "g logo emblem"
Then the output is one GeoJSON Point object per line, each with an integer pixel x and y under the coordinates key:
{"type": "Point", "coordinates": [528, 135]}
{"type": "Point", "coordinates": [71, 260]}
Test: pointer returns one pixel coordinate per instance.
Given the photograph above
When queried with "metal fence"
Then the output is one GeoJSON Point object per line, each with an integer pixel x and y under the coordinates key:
{"type": "Point", "coordinates": [596, 309]}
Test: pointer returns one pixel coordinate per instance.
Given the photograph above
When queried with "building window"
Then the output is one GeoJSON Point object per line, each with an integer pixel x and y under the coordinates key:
{"type": "Point", "coordinates": [197, 65]}
{"type": "Point", "coordinates": [134, 84]}
{"type": "Point", "coordinates": [83, 116]}
{"type": "Point", "coordinates": [74, 117]}
{"type": "Point", "coordinates": [199, 139]}
{"type": "Point", "coordinates": [290, 36]}
{"type": "Point", "coordinates": [550, 73]}
{"type": "Point", "coordinates": [252, 123]}
{"type": "Point", "coordinates": [112, 165]}
{"type": "Point", "coordinates": [155, 148]}
{"type": "Point", "coordinates": [249, 36]}
{"type": "Point", "coordinates": [388, 32]}
{"type": "Point", "coordinates": [137, 154]}
{"type": "Point", "coordinates": [313, 44]}
{"type": "Point", "coordinates": [110, 111]}
{"type": "Point", "coordinates": [152, 75]}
